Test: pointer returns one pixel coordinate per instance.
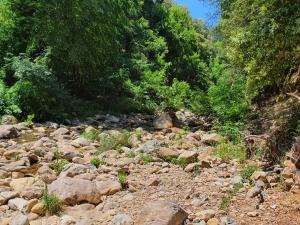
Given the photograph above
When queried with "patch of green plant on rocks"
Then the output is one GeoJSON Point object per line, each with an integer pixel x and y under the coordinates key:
{"type": "Point", "coordinates": [227, 197]}
{"type": "Point", "coordinates": [51, 203]}
{"type": "Point", "coordinates": [229, 151]}
{"type": "Point", "coordinates": [247, 172]}
{"type": "Point", "coordinates": [131, 154]}
{"type": "Point", "coordinates": [92, 135]}
{"type": "Point", "coordinates": [97, 162]}
{"type": "Point", "coordinates": [59, 165]}
{"type": "Point", "coordinates": [123, 178]}
{"type": "Point", "coordinates": [146, 158]}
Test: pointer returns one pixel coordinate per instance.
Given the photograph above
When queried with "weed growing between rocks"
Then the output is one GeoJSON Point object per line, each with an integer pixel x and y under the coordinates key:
{"type": "Point", "coordinates": [97, 162]}
{"type": "Point", "coordinates": [59, 165]}
{"type": "Point", "coordinates": [146, 158]}
{"type": "Point", "coordinates": [131, 154]}
{"type": "Point", "coordinates": [92, 135]}
{"type": "Point", "coordinates": [247, 172]}
{"type": "Point", "coordinates": [52, 204]}
{"type": "Point", "coordinates": [123, 178]}
{"type": "Point", "coordinates": [227, 198]}
{"type": "Point", "coordinates": [229, 151]}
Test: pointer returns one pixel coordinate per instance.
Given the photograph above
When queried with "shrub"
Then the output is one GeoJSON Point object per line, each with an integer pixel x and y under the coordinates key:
{"type": "Point", "coordinates": [52, 204]}
{"type": "Point", "coordinates": [229, 151]}
{"type": "Point", "coordinates": [247, 171]}
{"type": "Point", "coordinates": [92, 135]}
{"type": "Point", "coordinates": [123, 178]}
{"type": "Point", "coordinates": [146, 158]}
{"type": "Point", "coordinates": [59, 165]}
{"type": "Point", "coordinates": [97, 162]}
{"type": "Point", "coordinates": [131, 154]}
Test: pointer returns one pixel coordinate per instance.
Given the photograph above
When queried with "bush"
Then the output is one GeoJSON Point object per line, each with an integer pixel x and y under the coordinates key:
{"type": "Point", "coordinates": [229, 151]}
{"type": "Point", "coordinates": [52, 204]}
{"type": "Point", "coordinates": [59, 165]}
{"type": "Point", "coordinates": [247, 172]}
{"type": "Point", "coordinates": [227, 97]}
{"type": "Point", "coordinates": [36, 91]}
{"type": "Point", "coordinates": [123, 178]}
{"type": "Point", "coordinates": [97, 162]}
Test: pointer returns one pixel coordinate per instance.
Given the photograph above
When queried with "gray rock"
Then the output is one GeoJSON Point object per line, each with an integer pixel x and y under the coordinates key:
{"type": "Point", "coordinates": [7, 195]}
{"type": "Point", "coordinates": [236, 180]}
{"type": "Point", "coordinates": [206, 214]}
{"type": "Point", "coordinates": [164, 121]}
{"type": "Point", "coordinates": [226, 220]}
{"type": "Point", "coordinates": [121, 219]}
{"type": "Point", "coordinates": [19, 219]}
{"type": "Point", "coordinates": [150, 146]}
{"type": "Point", "coordinates": [17, 204]}
{"type": "Point", "coordinates": [81, 142]}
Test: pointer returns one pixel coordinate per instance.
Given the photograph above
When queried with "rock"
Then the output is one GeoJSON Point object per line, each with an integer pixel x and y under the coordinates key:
{"type": "Point", "coordinates": [191, 167]}
{"type": "Point", "coordinates": [10, 154]}
{"type": "Point", "coordinates": [189, 156]}
{"type": "Point", "coordinates": [228, 221]}
{"type": "Point", "coordinates": [256, 190]}
{"type": "Point", "coordinates": [150, 146]}
{"type": "Point", "coordinates": [206, 214]}
{"type": "Point", "coordinates": [8, 131]}
{"type": "Point", "coordinates": [162, 213]}
{"type": "Point", "coordinates": [60, 131]}
{"type": "Point", "coordinates": [8, 120]}
{"type": "Point", "coordinates": [19, 219]}
{"type": "Point", "coordinates": [152, 182]}
{"type": "Point", "coordinates": [166, 152]}
{"type": "Point", "coordinates": [260, 175]}
{"type": "Point", "coordinates": [121, 219]}
{"type": "Point", "coordinates": [38, 209]}
{"type": "Point", "coordinates": [108, 187]}
{"type": "Point", "coordinates": [17, 204]}
{"type": "Point", "coordinates": [164, 121]}
{"type": "Point", "coordinates": [74, 170]}
{"type": "Point", "coordinates": [287, 172]}
{"type": "Point", "coordinates": [236, 180]}
{"type": "Point", "coordinates": [211, 139]}
{"type": "Point", "coordinates": [294, 154]}
{"type": "Point", "coordinates": [67, 220]}
{"type": "Point", "coordinates": [205, 164]}
{"type": "Point", "coordinates": [30, 204]}
{"type": "Point", "coordinates": [213, 221]}
{"type": "Point", "coordinates": [21, 184]}
{"type": "Point", "coordinates": [252, 214]}
{"type": "Point", "coordinates": [7, 195]}
{"type": "Point", "coordinates": [73, 191]}
{"type": "Point", "coordinates": [81, 142]}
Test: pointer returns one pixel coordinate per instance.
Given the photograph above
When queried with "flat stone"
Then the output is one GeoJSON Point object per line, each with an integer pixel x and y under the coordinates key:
{"type": "Point", "coordinates": [162, 213]}
{"type": "Point", "coordinates": [121, 219]}
{"type": "Point", "coordinates": [7, 195]}
{"type": "Point", "coordinates": [206, 214]}
{"type": "Point", "coordinates": [19, 219]}
{"type": "Point", "coordinates": [17, 204]}
{"type": "Point", "coordinates": [189, 156]}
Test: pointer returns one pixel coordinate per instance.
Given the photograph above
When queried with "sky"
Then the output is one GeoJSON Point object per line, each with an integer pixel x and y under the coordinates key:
{"type": "Point", "coordinates": [201, 9]}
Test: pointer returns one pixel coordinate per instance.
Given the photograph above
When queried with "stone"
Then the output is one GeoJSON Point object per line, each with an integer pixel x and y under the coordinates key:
{"type": "Point", "coordinates": [260, 175]}
{"type": "Point", "coordinates": [150, 146]}
{"type": "Point", "coordinates": [73, 191]}
{"type": "Point", "coordinates": [236, 180]}
{"type": "Point", "coordinates": [252, 214]}
{"type": "Point", "coordinates": [191, 167]}
{"type": "Point", "coordinates": [67, 220]}
{"type": "Point", "coordinates": [226, 220]}
{"type": "Point", "coordinates": [213, 221]}
{"type": "Point", "coordinates": [10, 154]}
{"type": "Point", "coordinates": [287, 172]}
{"type": "Point", "coordinates": [19, 219]}
{"type": "Point", "coordinates": [21, 184]}
{"type": "Point", "coordinates": [189, 156]}
{"type": "Point", "coordinates": [166, 152]}
{"type": "Point", "coordinates": [38, 209]}
{"type": "Point", "coordinates": [211, 139]}
{"type": "Point", "coordinates": [152, 182]}
{"type": "Point", "coordinates": [205, 164]}
{"type": "Point", "coordinates": [60, 131]}
{"type": "Point", "coordinates": [7, 195]}
{"type": "Point", "coordinates": [74, 170]}
{"type": "Point", "coordinates": [8, 131]}
{"type": "Point", "coordinates": [8, 120]}
{"type": "Point", "coordinates": [256, 190]}
{"type": "Point", "coordinates": [30, 204]}
{"type": "Point", "coordinates": [163, 121]}
{"type": "Point", "coordinates": [121, 219]}
{"type": "Point", "coordinates": [17, 204]}
{"type": "Point", "coordinates": [81, 142]}
{"type": "Point", "coordinates": [162, 213]}
{"type": "Point", "coordinates": [206, 214]}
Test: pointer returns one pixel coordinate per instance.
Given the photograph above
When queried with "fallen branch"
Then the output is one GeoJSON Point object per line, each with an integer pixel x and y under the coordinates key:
{"type": "Point", "coordinates": [294, 95]}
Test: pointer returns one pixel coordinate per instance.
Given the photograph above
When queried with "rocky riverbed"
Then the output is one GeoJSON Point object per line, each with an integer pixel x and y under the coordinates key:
{"type": "Point", "coordinates": [112, 170]}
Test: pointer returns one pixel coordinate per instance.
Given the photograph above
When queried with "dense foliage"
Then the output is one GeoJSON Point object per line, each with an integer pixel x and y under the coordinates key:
{"type": "Point", "coordinates": [143, 55]}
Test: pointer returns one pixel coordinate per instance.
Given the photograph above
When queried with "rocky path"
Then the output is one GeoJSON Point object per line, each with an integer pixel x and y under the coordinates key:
{"type": "Point", "coordinates": [108, 171]}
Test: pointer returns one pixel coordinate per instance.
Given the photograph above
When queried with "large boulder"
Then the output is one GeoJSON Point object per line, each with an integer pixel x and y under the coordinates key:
{"type": "Point", "coordinates": [211, 139]}
{"type": "Point", "coordinates": [165, 120]}
{"type": "Point", "coordinates": [75, 191]}
{"type": "Point", "coordinates": [8, 131]}
{"type": "Point", "coordinates": [162, 213]}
